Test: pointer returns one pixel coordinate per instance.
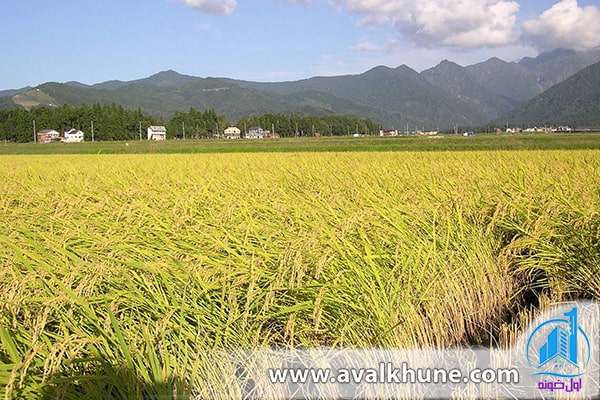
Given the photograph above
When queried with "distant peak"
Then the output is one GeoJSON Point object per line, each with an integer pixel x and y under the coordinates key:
{"type": "Point", "coordinates": [168, 78]}
{"type": "Point", "coordinates": [167, 72]}
{"type": "Point", "coordinates": [380, 68]}
{"type": "Point", "coordinates": [496, 60]}
{"type": "Point", "coordinates": [448, 64]}
{"type": "Point", "coordinates": [406, 68]}
{"type": "Point", "coordinates": [559, 52]}
{"type": "Point", "coordinates": [77, 84]}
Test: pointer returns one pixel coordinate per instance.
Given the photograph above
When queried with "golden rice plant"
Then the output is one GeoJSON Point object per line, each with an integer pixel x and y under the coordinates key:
{"type": "Point", "coordinates": [125, 276]}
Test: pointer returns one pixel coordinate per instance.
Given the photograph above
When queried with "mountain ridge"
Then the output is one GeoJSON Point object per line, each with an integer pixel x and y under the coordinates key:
{"type": "Point", "coordinates": [574, 102]}
{"type": "Point", "coordinates": [440, 97]}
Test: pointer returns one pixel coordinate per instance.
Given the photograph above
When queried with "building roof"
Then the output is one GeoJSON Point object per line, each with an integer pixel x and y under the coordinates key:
{"type": "Point", "coordinates": [158, 128]}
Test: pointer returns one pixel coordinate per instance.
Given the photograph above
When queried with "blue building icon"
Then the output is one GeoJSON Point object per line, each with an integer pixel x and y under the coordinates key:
{"type": "Point", "coordinates": [561, 343]}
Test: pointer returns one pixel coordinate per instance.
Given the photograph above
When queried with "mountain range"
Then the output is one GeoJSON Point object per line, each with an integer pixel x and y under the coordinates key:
{"type": "Point", "coordinates": [574, 102]}
{"type": "Point", "coordinates": [529, 91]}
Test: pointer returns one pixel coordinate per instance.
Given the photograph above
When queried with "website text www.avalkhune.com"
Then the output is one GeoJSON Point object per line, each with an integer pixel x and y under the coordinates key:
{"type": "Point", "coordinates": [387, 373]}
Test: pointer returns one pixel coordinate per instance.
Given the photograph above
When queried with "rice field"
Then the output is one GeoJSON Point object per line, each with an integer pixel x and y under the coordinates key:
{"type": "Point", "coordinates": [121, 274]}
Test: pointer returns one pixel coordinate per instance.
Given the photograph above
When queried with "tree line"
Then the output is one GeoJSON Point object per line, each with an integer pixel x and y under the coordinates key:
{"type": "Point", "coordinates": [114, 122]}
{"type": "Point", "coordinates": [296, 125]}
{"type": "Point", "coordinates": [111, 122]}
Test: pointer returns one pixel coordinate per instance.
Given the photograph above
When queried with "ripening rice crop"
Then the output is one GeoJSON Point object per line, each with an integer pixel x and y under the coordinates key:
{"type": "Point", "coordinates": [120, 275]}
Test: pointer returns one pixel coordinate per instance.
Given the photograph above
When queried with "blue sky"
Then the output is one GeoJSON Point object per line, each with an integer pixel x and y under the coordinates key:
{"type": "Point", "coordinates": [275, 40]}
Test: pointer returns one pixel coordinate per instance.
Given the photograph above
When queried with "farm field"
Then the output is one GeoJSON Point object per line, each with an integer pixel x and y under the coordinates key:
{"type": "Point", "coordinates": [120, 272]}
{"type": "Point", "coordinates": [524, 141]}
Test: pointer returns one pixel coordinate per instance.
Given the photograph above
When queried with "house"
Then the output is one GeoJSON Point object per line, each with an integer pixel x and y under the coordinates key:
{"type": "Point", "coordinates": [270, 135]}
{"type": "Point", "coordinates": [388, 132]}
{"type": "Point", "coordinates": [232, 132]}
{"type": "Point", "coordinates": [47, 136]}
{"type": "Point", "coordinates": [72, 136]}
{"type": "Point", "coordinates": [255, 133]}
{"type": "Point", "coordinates": [157, 133]}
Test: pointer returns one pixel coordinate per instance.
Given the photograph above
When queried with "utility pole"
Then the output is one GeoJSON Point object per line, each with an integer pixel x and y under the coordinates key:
{"type": "Point", "coordinates": [92, 131]}
{"type": "Point", "coordinates": [140, 131]}
{"type": "Point", "coordinates": [183, 128]}
{"type": "Point", "coordinates": [34, 133]}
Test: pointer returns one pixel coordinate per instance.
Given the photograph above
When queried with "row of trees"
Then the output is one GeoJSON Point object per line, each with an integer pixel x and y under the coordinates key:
{"type": "Point", "coordinates": [296, 125]}
{"type": "Point", "coordinates": [113, 122]}
{"type": "Point", "coordinates": [196, 124]}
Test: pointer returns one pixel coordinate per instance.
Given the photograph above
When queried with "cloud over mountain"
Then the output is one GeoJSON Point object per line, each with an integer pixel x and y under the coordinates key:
{"type": "Point", "coordinates": [462, 24]}
{"type": "Point", "coordinates": [565, 25]}
{"type": "Point", "coordinates": [448, 23]}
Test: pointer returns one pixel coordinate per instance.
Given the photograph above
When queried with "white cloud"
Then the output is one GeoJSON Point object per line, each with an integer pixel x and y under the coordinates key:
{"type": "Point", "coordinates": [218, 7]}
{"type": "Point", "coordinates": [449, 23]}
{"type": "Point", "coordinates": [226, 7]}
{"type": "Point", "coordinates": [365, 46]}
{"type": "Point", "coordinates": [303, 2]}
{"type": "Point", "coordinates": [564, 25]}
